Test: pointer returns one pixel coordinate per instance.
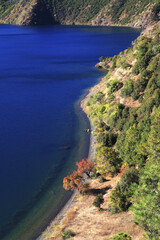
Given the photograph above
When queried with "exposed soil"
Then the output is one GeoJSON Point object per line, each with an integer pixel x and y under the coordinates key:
{"type": "Point", "coordinates": [87, 222]}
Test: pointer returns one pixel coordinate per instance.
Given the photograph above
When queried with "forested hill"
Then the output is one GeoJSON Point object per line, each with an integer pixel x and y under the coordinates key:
{"type": "Point", "coordinates": [139, 13]}
{"type": "Point", "coordinates": [125, 112]}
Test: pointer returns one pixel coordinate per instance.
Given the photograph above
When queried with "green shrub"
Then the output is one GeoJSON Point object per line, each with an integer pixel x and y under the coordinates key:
{"type": "Point", "coordinates": [121, 236]}
{"type": "Point", "coordinates": [67, 234]}
{"type": "Point", "coordinates": [129, 177]}
{"type": "Point", "coordinates": [98, 201]}
{"type": "Point", "coordinates": [156, 11]}
{"type": "Point", "coordinates": [120, 199]}
{"type": "Point", "coordinates": [135, 69]}
{"type": "Point", "coordinates": [126, 65]}
{"type": "Point", "coordinates": [98, 97]}
{"type": "Point", "coordinates": [114, 85]}
{"type": "Point", "coordinates": [101, 126]}
{"type": "Point", "coordinates": [140, 84]}
{"type": "Point", "coordinates": [142, 49]}
{"type": "Point", "coordinates": [127, 89]}
{"type": "Point", "coordinates": [135, 94]}
{"type": "Point", "coordinates": [107, 138]}
{"type": "Point", "coordinates": [107, 161]}
{"type": "Point", "coordinates": [102, 179]}
{"type": "Point", "coordinates": [94, 174]}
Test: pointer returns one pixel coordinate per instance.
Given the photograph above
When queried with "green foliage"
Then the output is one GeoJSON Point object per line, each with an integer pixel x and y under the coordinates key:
{"type": "Point", "coordinates": [121, 196]}
{"type": "Point", "coordinates": [116, 115]}
{"type": "Point", "coordinates": [126, 65]}
{"type": "Point", "coordinates": [97, 98]}
{"type": "Point", "coordinates": [107, 161]}
{"type": "Point", "coordinates": [67, 234]}
{"type": "Point", "coordinates": [147, 201]}
{"type": "Point", "coordinates": [121, 236]}
{"type": "Point", "coordinates": [98, 201]}
{"type": "Point", "coordinates": [127, 89]}
{"type": "Point", "coordinates": [106, 138]}
{"type": "Point", "coordinates": [77, 10]}
{"type": "Point", "coordinates": [94, 174]}
{"type": "Point", "coordinates": [137, 128]}
{"type": "Point", "coordinates": [135, 69]}
{"type": "Point", "coordinates": [114, 85]}
{"type": "Point", "coordinates": [102, 179]}
{"type": "Point", "coordinates": [147, 197]}
{"type": "Point", "coordinates": [156, 11]}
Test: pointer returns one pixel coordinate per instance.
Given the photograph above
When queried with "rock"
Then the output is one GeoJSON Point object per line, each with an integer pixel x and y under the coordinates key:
{"type": "Point", "coordinates": [88, 130]}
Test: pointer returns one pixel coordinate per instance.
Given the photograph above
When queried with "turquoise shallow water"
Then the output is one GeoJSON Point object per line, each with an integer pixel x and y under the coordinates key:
{"type": "Point", "coordinates": [44, 71]}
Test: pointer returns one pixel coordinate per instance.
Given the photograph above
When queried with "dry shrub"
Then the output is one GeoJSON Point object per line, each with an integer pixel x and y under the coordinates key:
{"type": "Point", "coordinates": [70, 215]}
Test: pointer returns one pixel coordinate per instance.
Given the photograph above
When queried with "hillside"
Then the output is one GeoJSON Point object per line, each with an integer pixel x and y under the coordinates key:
{"type": "Point", "coordinates": [103, 12]}
{"type": "Point", "coordinates": [124, 109]}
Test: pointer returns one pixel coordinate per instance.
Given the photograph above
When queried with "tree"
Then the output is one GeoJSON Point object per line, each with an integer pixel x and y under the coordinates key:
{"type": "Point", "coordinates": [146, 207]}
{"type": "Point", "coordinates": [107, 161]}
{"type": "Point", "coordinates": [147, 201]}
{"type": "Point", "coordinates": [85, 166]}
{"type": "Point", "coordinates": [73, 181]}
{"type": "Point", "coordinates": [121, 196]}
{"type": "Point", "coordinates": [98, 201]}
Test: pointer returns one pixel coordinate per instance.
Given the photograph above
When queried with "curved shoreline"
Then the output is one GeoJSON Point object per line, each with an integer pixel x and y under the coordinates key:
{"type": "Point", "coordinates": [91, 154]}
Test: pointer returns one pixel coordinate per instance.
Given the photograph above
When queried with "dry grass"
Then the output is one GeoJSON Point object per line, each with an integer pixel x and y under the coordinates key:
{"type": "Point", "coordinates": [90, 224]}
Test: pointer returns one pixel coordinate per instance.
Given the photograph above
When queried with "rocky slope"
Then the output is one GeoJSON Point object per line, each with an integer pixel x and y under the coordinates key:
{"type": "Point", "coordinates": [139, 13]}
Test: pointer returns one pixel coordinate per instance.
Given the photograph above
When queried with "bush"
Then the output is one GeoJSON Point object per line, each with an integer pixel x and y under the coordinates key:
{"type": "Point", "coordinates": [156, 10]}
{"type": "Point", "coordinates": [140, 84]}
{"type": "Point", "coordinates": [98, 201]}
{"type": "Point", "coordinates": [107, 138]}
{"type": "Point", "coordinates": [135, 69]}
{"type": "Point", "coordinates": [94, 174]}
{"type": "Point", "coordinates": [120, 199]}
{"type": "Point", "coordinates": [135, 94]}
{"type": "Point", "coordinates": [98, 97]}
{"type": "Point", "coordinates": [67, 234]}
{"type": "Point", "coordinates": [126, 65]}
{"type": "Point", "coordinates": [114, 85]}
{"type": "Point", "coordinates": [121, 236]}
{"type": "Point", "coordinates": [107, 161]}
{"type": "Point", "coordinates": [102, 179]}
{"type": "Point", "coordinates": [127, 89]}
{"type": "Point", "coordinates": [129, 177]}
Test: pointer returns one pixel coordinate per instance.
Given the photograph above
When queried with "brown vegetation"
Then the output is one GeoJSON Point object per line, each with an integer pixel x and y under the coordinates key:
{"type": "Point", "coordinates": [88, 223]}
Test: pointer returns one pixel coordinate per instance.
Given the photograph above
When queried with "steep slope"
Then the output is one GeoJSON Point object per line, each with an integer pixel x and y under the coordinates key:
{"type": "Point", "coordinates": [125, 111]}
{"type": "Point", "coordinates": [132, 13]}
{"type": "Point", "coordinates": [18, 13]}
{"type": "Point", "coordinates": [138, 13]}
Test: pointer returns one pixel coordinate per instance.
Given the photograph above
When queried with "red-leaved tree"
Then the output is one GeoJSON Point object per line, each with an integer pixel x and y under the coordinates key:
{"type": "Point", "coordinates": [75, 180]}
{"type": "Point", "coordinates": [72, 181]}
{"type": "Point", "coordinates": [85, 166]}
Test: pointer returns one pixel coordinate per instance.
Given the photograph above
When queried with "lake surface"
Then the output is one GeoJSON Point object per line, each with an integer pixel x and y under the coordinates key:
{"type": "Point", "coordinates": [43, 73]}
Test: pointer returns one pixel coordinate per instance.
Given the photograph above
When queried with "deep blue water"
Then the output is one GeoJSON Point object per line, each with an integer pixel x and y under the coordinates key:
{"type": "Point", "coordinates": [43, 73]}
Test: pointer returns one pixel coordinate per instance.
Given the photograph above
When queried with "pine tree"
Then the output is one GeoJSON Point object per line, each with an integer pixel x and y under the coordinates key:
{"type": "Point", "coordinates": [147, 198]}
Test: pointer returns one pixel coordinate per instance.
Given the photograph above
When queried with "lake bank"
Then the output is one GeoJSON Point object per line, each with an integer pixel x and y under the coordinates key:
{"type": "Point", "coordinates": [39, 122]}
{"type": "Point", "coordinates": [80, 216]}
{"type": "Point", "coordinates": [69, 206]}
{"type": "Point", "coordinates": [81, 111]}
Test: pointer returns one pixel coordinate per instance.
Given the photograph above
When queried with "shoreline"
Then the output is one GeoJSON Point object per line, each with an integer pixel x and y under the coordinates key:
{"type": "Point", "coordinates": [91, 154]}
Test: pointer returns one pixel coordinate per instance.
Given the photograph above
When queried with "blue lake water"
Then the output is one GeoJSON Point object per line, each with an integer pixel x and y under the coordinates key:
{"type": "Point", "coordinates": [43, 73]}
